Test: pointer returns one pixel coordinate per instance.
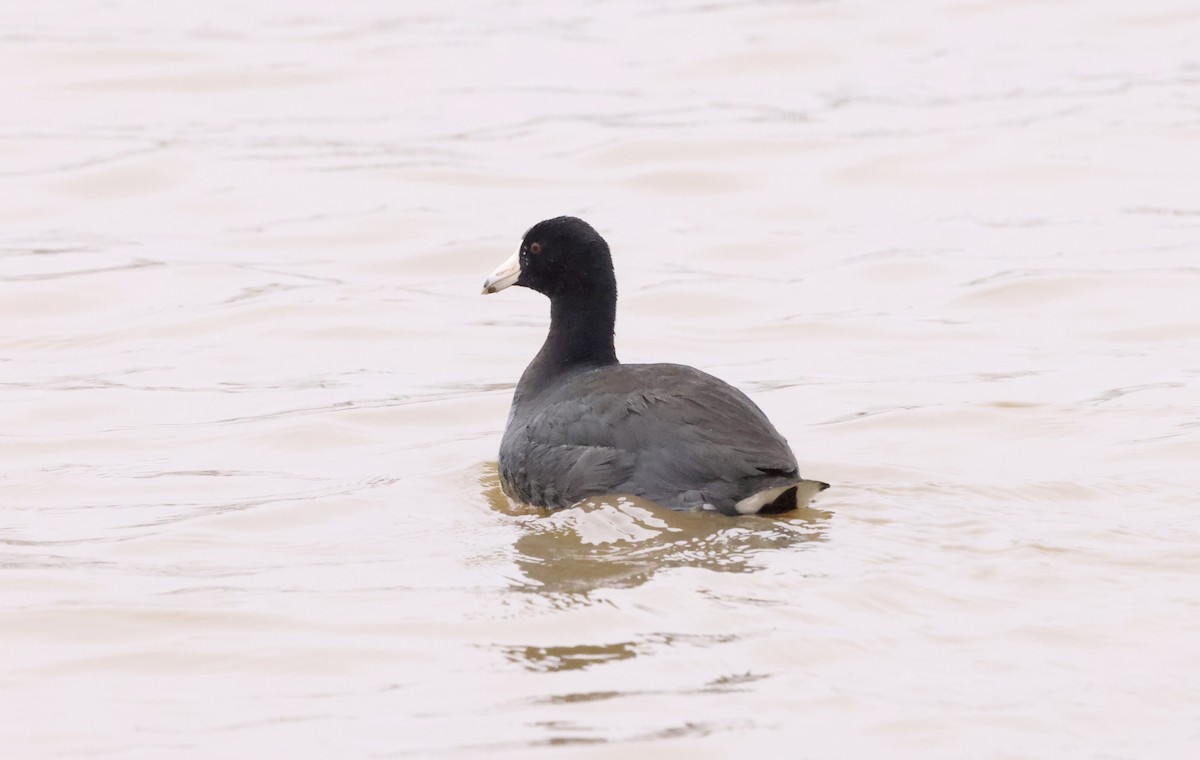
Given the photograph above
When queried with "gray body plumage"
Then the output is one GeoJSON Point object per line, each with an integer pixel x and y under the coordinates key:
{"type": "Point", "coordinates": [665, 432]}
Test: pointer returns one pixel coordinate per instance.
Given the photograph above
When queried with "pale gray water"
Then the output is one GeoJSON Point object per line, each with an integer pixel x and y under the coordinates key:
{"type": "Point", "coordinates": [250, 397]}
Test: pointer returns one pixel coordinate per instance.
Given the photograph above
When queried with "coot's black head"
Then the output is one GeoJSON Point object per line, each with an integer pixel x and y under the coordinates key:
{"type": "Point", "coordinates": [560, 256]}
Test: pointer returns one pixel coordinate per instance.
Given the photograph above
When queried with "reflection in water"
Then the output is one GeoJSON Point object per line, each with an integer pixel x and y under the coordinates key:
{"type": "Point", "coordinates": [553, 659]}
{"type": "Point", "coordinates": [623, 541]}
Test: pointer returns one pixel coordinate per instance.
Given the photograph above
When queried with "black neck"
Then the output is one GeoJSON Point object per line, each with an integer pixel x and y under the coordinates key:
{"type": "Point", "coordinates": [581, 336]}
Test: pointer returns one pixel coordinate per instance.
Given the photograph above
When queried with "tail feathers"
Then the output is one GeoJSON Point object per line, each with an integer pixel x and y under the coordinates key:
{"type": "Point", "coordinates": [773, 501]}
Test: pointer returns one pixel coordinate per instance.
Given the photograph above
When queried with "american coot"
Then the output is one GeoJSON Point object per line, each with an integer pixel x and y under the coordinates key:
{"type": "Point", "coordinates": [582, 424]}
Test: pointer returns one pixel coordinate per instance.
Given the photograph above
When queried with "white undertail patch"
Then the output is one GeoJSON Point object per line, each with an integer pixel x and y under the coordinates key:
{"type": "Point", "coordinates": [751, 504]}
{"type": "Point", "coordinates": [805, 490]}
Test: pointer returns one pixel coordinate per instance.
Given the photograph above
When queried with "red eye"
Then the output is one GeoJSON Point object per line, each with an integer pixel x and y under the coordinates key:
{"type": "Point", "coordinates": [535, 248]}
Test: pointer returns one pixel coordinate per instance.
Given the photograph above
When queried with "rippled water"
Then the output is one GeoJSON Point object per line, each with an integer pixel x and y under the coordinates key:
{"type": "Point", "coordinates": [250, 398]}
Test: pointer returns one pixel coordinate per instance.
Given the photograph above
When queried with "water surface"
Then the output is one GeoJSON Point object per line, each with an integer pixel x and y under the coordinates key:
{"type": "Point", "coordinates": [250, 398]}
